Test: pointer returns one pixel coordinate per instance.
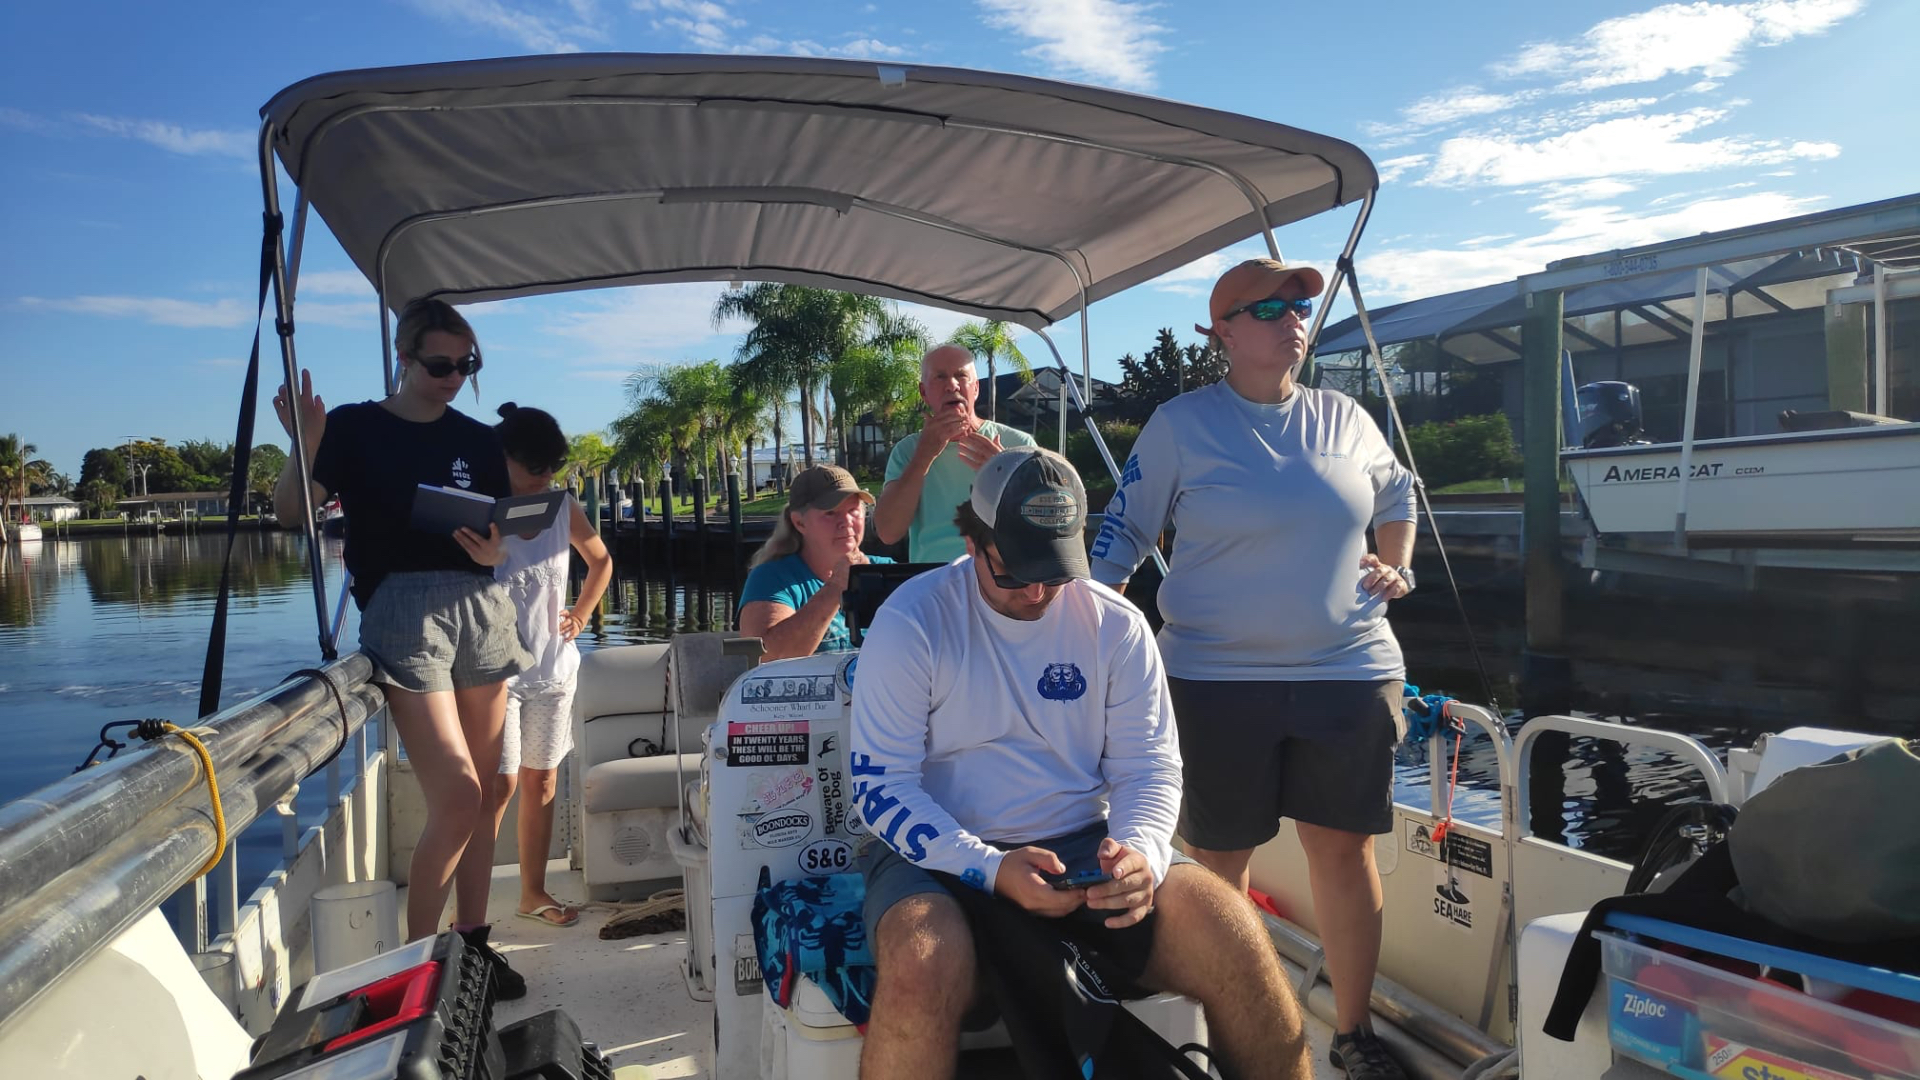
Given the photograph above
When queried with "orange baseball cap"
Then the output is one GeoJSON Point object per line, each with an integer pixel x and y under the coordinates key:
{"type": "Point", "coordinates": [1256, 279]}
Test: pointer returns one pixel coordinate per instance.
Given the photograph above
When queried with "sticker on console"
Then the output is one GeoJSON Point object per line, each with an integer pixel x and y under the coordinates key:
{"type": "Point", "coordinates": [770, 793]}
{"type": "Point", "coordinates": [790, 695]}
{"type": "Point", "coordinates": [774, 742]}
{"type": "Point", "coordinates": [826, 857]}
{"type": "Point", "coordinates": [783, 828]}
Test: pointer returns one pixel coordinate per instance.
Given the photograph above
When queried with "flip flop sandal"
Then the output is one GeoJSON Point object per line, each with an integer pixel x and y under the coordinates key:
{"type": "Point", "coordinates": [539, 915]}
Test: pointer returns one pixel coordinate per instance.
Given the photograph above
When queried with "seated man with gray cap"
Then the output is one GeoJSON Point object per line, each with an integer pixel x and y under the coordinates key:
{"type": "Point", "coordinates": [1011, 728]}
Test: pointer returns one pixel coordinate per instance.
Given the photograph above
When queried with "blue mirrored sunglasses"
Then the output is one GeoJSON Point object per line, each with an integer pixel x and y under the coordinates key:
{"type": "Point", "coordinates": [1273, 307]}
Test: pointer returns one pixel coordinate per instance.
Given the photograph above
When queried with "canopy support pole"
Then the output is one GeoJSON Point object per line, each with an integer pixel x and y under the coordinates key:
{"type": "Point", "coordinates": [283, 324]}
{"type": "Point", "coordinates": [1880, 339]}
{"type": "Point", "coordinates": [1305, 375]}
{"type": "Point", "coordinates": [1100, 444]}
{"type": "Point", "coordinates": [1694, 353]}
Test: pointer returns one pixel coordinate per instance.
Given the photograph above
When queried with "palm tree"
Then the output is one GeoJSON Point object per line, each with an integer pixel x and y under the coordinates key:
{"type": "Point", "coordinates": [744, 414]}
{"type": "Point", "coordinates": [641, 442]}
{"type": "Point", "coordinates": [690, 403]}
{"type": "Point", "coordinates": [764, 377]}
{"type": "Point", "coordinates": [992, 339]}
{"type": "Point", "coordinates": [880, 379]}
{"type": "Point", "coordinates": [800, 333]}
{"type": "Point", "coordinates": [14, 456]}
{"type": "Point", "coordinates": [776, 355]}
{"type": "Point", "coordinates": [588, 456]}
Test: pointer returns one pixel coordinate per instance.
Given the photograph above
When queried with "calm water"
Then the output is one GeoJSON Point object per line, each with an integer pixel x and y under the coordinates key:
{"type": "Point", "coordinates": [115, 628]}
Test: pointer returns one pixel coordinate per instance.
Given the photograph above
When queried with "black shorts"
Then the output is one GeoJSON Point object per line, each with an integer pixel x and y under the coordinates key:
{"type": "Point", "coordinates": [891, 879]}
{"type": "Point", "coordinates": [1256, 752]}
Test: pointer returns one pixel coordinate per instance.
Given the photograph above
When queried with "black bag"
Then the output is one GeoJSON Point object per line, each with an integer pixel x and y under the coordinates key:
{"type": "Point", "coordinates": [1061, 1001]}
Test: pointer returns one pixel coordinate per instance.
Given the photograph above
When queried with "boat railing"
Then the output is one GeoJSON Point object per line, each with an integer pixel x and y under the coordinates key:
{"type": "Point", "coordinates": [83, 859]}
{"type": "Point", "coordinates": [1688, 750]}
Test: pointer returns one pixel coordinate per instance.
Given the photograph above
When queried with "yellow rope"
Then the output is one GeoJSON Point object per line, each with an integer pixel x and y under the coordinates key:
{"type": "Point", "coordinates": [213, 796]}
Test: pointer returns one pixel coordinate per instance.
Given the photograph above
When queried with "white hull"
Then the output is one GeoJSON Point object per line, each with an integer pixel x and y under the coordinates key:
{"type": "Point", "coordinates": [1839, 485]}
{"type": "Point", "coordinates": [27, 532]}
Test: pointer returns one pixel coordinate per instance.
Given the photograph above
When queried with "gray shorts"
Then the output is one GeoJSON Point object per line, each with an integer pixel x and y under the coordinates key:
{"type": "Point", "coordinates": [442, 630]}
{"type": "Point", "coordinates": [891, 879]}
{"type": "Point", "coordinates": [1256, 752]}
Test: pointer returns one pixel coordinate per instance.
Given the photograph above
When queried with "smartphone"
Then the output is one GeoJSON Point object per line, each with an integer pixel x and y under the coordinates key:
{"type": "Point", "coordinates": [1081, 880]}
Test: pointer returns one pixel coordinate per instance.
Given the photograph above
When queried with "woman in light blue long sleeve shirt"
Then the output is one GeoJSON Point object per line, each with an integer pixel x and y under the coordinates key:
{"type": "Point", "coordinates": [1285, 676]}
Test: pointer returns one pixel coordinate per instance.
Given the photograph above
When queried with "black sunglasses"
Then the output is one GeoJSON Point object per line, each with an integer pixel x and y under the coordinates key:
{"type": "Point", "coordinates": [1273, 308]}
{"type": "Point", "coordinates": [1014, 584]}
{"type": "Point", "coordinates": [440, 366]}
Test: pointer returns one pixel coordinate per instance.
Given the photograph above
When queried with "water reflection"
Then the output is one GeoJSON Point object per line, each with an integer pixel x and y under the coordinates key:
{"type": "Point", "coordinates": [115, 628]}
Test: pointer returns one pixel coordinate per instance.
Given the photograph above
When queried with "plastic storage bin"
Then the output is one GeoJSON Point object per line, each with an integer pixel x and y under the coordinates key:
{"type": "Point", "coordinates": [1715, 1016]}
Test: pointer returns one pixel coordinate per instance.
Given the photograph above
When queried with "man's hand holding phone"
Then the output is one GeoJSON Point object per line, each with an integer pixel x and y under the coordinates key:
{"type": "Point", "coordinates": [1130, 892]}
{"type": "Point", "coordinates": [1025, 878]}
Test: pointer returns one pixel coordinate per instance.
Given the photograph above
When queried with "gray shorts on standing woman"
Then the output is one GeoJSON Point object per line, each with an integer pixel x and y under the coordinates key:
{"type": "Point", "coordinates": [1256, 752]}
{"type": "Point", "coordinates": [435, 630]}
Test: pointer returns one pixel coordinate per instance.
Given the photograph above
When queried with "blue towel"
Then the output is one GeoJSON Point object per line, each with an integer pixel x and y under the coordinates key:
{"type": "Point", "coordinates": [812, 926]}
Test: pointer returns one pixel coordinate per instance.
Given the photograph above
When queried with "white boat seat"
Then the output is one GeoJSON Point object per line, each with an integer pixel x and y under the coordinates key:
{"type": "Point", "coordinates": [636, 783]}
{"type": "Point", "coordinates": [1797, 747]}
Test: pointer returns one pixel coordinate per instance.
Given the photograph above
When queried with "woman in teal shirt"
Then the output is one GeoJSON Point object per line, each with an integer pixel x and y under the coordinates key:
{"type": "Point", "coordinates": [791, 600]}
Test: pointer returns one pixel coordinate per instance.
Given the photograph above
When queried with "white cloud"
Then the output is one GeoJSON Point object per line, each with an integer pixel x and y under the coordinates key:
{"type": "Point", "coordinates": [1459, 104]}
{"type": "Point", "coordinates": [1394, 168]}
{"type": "Point", "coordinates": [868, 49]}
{"type": "Point", "coordinates": [645, 325]}
{"type": "Point", "coordinates": [21, 120]}
{"type": "Point", "coordinates": [1403, 273]}
{"type": "Point", "coordinates": [710, 26]}
{"type": "Point", "coordinates": [1108, 41]}
{"type": "Point", "coordinates": [361, 316]}
{"type": "Point", "coordinates": [1637, 145]}
{"type": "Point", "coordinates": [1708, 38]}
{"type": "Point", "coordinates": [333, 283]}
{"type": "Point", "coordinates": [563, 28]}
{"type": "Point", "coordinates": [1197, 277]}
{"type": "Point", "coordinates": [174, 138]}
{"type": "Point", "coordinates": [705, 23]}
{"type": "Point", "coordinates": [161, 311]}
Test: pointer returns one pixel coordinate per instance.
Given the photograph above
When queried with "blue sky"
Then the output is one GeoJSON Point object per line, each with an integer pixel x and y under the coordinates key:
{"type": "Point", "coordinates": [1508, 134]}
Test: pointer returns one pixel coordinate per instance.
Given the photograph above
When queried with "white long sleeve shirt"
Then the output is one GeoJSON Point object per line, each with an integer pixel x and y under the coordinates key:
{"type": "Point", "coordinates": [973, 733]}
{"type": "Point", "coordinates": [1270, 505]}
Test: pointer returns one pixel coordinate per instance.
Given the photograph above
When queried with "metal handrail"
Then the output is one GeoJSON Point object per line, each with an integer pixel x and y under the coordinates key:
{"type": "Point", "coordinates": [82, 897]}
{"type": "Point", "coordinates": [1503, 753]}
{"type": "Point", "coordinates": [49, 832]}
{"type": "Point", "coordinates": [1689, 750]}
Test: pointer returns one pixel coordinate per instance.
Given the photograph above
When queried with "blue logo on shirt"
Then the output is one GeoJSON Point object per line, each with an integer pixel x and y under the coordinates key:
{"type": "Point", "coordinates": [1062, 682]}
{"type": "Point", "coordinates": [1131, 472]}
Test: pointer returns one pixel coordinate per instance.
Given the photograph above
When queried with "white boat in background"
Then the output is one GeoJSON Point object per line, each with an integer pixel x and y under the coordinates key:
{"type": "Point", "coordinates": [27, 531]}
{"type": "Point", "coordinates": [1830, 490]}
{"type": "Point", "coordinates": [1842, 486]}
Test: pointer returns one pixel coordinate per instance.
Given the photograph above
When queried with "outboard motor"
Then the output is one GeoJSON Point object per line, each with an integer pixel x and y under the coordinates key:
{"type": "Point", "coordinates": [1609, 414]}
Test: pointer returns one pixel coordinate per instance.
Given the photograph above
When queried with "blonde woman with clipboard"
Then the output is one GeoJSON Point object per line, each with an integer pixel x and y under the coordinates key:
{"type": "Point", "coordinates": [539, 725]}
{"type": "Point", "coordinates": [442, 633]}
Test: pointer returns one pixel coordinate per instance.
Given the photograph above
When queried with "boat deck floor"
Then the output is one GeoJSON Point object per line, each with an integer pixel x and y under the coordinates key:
{"type": "Point", "coordinates": [628, 996]}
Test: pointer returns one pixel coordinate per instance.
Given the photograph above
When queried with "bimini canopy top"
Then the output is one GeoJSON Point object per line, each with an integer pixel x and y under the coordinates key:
{"type": "Point", "coordinates": [994, 195]}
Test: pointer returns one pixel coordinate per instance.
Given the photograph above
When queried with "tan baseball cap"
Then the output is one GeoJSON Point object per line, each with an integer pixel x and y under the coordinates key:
{"type": "Point", "coordinates": [823, 487]}
{"type": "Point", "coordinates": [1256, 279]}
